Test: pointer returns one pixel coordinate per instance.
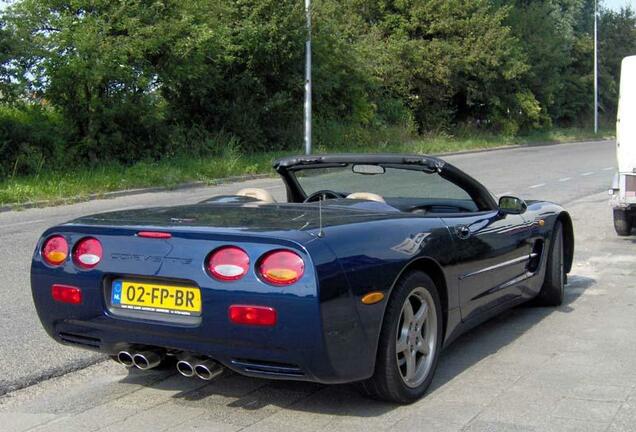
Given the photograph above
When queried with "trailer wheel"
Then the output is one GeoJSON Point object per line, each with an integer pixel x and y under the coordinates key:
{"type": "Point", "coordinates": [622, 222]}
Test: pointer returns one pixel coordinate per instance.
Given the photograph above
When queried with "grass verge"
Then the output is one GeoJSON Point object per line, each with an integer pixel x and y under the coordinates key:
{"type": "Point", "coordinates": [60, 184]}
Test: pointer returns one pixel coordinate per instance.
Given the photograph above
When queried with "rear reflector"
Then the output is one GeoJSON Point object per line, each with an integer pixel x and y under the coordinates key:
{"type": "Point", "coordinates": [55, 250]}
{"type": "Point", "coordinates": [154, 234]}
{"type": "Point", "coordinates": [66, 294]}
{"type": "Point", "coordinates": [253, 315]}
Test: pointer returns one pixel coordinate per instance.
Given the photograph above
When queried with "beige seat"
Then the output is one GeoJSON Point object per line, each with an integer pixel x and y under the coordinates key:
{"type": "Point", "coordinates": [366, 196]}
{"type": "Point", "coordinates": [257, 193]}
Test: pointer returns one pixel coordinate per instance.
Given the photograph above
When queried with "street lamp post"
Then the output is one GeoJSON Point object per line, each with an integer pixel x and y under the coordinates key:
{"type": "Point", "coordinates": [308, 80]}
{"type": "Point", "coordinates": [596, 66]}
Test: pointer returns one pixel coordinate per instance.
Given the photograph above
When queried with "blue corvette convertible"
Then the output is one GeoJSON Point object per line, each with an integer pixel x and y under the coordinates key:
{"type": "Point", "coordinates": [371, 267]}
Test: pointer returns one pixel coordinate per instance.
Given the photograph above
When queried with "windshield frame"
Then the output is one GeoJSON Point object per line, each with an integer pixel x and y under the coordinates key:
{"type": "Point", "coordinates": [288, 167]}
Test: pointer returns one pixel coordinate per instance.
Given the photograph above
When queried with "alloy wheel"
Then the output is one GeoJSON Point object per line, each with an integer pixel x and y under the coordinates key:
{"type": "Point", "coordinates": [416, 338]}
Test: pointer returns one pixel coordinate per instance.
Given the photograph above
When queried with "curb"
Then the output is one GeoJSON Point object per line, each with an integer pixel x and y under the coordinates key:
{"type": "Point", "coordinates": [231, 179]}
{"type": "Point", "coordinates": [484, 150]}
{"type": "Point", "coordinates": [34, 379]}
{"type": "Point", "coordinates": [128, 192]}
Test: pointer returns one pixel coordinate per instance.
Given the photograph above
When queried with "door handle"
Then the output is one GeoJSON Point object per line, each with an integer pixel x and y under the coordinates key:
{"type": "Point", "coordinates": [463, 232]}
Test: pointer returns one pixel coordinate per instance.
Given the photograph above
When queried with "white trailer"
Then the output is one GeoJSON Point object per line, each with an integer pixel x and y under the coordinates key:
{"type": "Point", "coordinates": [623, 191]}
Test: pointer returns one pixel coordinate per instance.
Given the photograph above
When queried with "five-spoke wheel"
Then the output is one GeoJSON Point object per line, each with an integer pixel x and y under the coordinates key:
{"type": "Point", "coordinates": [416, 337]}
{"type": "Point", "coordinates": [410, 341]}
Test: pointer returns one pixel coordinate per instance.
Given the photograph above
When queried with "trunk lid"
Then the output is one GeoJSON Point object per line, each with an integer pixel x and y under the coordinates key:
{"type": "Point", "coordinates": [254, 218]}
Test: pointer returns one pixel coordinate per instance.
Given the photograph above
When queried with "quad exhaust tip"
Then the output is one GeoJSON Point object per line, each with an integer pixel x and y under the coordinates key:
{"type": "Point", "coordinates": [208, 370]}
{"type": "Point", "coordinates": [143, 360]}
{"type": "Point", "coordinates": [125, 358]}
{"type": "Point", "coordinates": [185, 368]}
{"type": "Point", "coordinates": [205, 369]}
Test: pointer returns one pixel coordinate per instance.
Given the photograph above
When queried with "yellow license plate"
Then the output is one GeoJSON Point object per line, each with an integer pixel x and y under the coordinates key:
{"type": "Point", "coordinates": [152, 297]}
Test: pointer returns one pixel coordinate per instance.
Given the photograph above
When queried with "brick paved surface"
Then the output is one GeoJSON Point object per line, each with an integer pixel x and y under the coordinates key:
{"type": "Point", "coordinates": [572, 368]}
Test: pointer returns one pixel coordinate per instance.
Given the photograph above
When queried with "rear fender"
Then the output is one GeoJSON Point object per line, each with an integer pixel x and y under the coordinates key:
{"type": "Point", "coordinates": [373, 256]}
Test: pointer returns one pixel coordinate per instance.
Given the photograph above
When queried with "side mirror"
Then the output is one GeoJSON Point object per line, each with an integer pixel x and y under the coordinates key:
{"type": "Point", "coordinates": [512, 205]}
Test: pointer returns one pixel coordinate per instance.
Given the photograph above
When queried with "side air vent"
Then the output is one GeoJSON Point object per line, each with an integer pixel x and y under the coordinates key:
{"type": "Point", "coordinates": [535, 257]}
{"type": "Point", "coordinates": [76, 339]}
{"type": "Point", "coordinates": [268, 368]}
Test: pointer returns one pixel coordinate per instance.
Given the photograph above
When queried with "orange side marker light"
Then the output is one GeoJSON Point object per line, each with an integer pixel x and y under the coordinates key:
{"type": "Point", "coordinates": [372, 298]}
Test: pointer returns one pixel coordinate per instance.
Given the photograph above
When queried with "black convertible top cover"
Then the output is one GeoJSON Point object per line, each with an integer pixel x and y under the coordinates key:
{"type": "Point", "coordinates": [426, 162]}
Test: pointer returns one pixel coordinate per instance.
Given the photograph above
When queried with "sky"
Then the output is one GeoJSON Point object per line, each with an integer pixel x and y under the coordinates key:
{"type": "Point", "coordinates": [617, 4]}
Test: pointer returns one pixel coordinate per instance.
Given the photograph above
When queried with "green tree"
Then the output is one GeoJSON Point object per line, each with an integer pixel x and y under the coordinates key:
{"type": "Point", "coordinates": [617, 32]}
{"type": "Point", "coordinates": [10, 66]}
{"type": "Point", "coordinates": [240, 72]}
{"type": "Point", "coordinates": [134, 79]}
{"type": "Point", "coordinates": [92, 61]}
{"type": "Point", "coordinates": [553, 37]}
{"type": "Point", "coordinates": [449, 61]}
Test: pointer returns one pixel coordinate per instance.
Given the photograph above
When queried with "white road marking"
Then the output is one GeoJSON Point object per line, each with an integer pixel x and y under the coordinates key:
{"type": "Point", "coordinates": [536, 186]}
{"type": "Point", "coordinates": [505, 193]}
{"type": "Point", "coordinates": [608, 168]}
{"type": "Point", "coordinates": [564, 179]}
{"type": "Point", "coordinates": [587, 174]}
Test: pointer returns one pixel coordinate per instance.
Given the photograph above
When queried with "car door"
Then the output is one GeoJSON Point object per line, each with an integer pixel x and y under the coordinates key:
{"type": "Point", "coordinates": [493, 254]}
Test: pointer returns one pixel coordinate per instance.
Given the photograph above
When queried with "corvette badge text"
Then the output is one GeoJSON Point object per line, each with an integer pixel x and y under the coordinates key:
{"type": "Point", "coordinates": [150, 258]}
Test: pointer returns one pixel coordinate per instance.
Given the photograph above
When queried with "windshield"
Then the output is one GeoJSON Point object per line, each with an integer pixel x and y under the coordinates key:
{"type": "Point", "coordinates": [388, 182]}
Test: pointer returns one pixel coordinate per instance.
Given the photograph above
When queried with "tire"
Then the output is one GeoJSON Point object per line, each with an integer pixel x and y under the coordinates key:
{"type": "Point", "coordinates": [396, 378]}
{"type": "Point", "coordinates": [553, 289]}
{"type": "Point", "coordinates": [622, 222]}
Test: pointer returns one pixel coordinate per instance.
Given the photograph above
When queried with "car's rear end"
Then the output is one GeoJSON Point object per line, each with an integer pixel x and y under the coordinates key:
{"type": "Point", "coordinates": [246, 298]}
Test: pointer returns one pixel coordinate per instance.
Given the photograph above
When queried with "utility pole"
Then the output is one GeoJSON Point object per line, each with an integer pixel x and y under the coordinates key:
{"type": "Point", "coordinates": [308, 80]}
{"type": "Point", "coordinates": [596, 66]}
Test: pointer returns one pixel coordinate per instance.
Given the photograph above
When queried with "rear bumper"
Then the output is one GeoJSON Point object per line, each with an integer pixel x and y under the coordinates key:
{"type": "Point", "coordinates": [248, 357]}
{"type": "Point", "coordinates": [623, 191]}
{"type": "Point", "coordinates": [294, 349]}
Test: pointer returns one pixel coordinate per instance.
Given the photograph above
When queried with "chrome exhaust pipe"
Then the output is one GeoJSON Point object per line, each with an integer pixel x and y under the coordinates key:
{"type": "Point", "coordinates": [125, 358]}
{"type": "Point", "coordinates": [185, 368]}
{"type": "Point", "coordinates": [208, 369]}
{"type": "Point", "coordinates": [145, 360]}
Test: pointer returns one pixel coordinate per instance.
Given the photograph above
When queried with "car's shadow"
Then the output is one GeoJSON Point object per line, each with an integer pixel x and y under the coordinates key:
{"type": "Point", "coordinates": [238, 392]}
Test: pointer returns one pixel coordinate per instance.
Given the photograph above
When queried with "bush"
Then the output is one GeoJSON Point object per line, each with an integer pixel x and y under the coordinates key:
{"type": "Point", "coordinates": [31, 139]}
{"type": "Point", "coordinates": [167, 78]}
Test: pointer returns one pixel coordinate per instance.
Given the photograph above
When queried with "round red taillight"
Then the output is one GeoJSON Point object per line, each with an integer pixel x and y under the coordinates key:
{"type": "Point", "coordinates": [281, 267]}
{"type": "Point", "coordinates": [228, 263]}
{"type": "Point", "coordinates": [87, 253]}
{"type": "Point", "coordinates": [55, 250]}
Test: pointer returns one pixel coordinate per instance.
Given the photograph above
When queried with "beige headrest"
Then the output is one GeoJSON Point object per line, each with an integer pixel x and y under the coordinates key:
{"type": "Point", "coordinates": [257, 193]}
{"type": "Point", "coordinates": [366, 196]}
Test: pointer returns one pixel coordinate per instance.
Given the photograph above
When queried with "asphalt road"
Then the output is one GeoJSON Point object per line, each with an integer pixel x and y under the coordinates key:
{"type": "Point", "coordinates": [490, 364]}
{"type": "Point", "coordinates": [560, 173]}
